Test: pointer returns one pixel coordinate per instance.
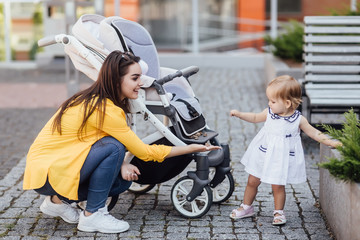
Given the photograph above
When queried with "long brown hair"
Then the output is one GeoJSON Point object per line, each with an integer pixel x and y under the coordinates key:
{"type": "Point", "coordinates": [107, 86]}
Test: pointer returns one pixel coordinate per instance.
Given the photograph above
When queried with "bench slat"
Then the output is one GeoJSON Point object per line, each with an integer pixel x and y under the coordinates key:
{"type": "Point", "coordinates": [335, 102]}
{"type": "Point", "coordinates": [332, 20]}
{"type": "Point", "coordinates": [333, 58]}
{"type": "Point", "coordinates": [331, 49]}
{"type": "Point", "coordinates": [331, 29]}
{"type": "Point", "coordinates": [332, 78]}
{"type": "Point", "coordinates": [332, 39]}
{"type": "Point", "coordinates": [332, 68]}
{"type": "Point", "coordinates": [330, 94]}
{"type": "Point", "coordinates": [339, 87]}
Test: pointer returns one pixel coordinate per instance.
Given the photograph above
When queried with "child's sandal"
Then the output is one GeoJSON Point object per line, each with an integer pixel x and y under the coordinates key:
{"type": "Point", "coordinates": [279, 218]}
{"type": "Point", "coordinates": [237, 214]}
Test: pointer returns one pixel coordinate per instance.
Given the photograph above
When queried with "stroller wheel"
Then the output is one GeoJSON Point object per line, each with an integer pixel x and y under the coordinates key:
{"type": "Point", "coordinates": [194, 209]}
{"type": "Point", "coordinates": [224, 190]}
{"type": "Point", "coordinates": [140, 188]}
{"type": "Point", "coordinates": [110, 202]}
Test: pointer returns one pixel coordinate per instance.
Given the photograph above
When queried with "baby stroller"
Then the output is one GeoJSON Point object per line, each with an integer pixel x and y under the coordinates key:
{"type": "Point", "coordinates": [166, 92]}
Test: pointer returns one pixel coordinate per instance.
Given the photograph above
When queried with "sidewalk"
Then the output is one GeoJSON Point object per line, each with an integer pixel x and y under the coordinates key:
{"type": "Point", "coordinates": [151, 215]}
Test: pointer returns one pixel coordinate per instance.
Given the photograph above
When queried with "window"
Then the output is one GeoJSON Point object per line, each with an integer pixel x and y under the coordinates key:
{"type": "Point", "coordinates": [285, 6]}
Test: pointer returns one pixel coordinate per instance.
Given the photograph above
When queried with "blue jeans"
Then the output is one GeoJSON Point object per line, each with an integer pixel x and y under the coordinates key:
{"type": "Point", "coordinates": [99, 176]}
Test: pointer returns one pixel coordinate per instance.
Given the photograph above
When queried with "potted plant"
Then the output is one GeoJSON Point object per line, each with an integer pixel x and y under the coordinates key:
{"type": "Point", "coordinates": [340, 179]}
{"type": "Point", "coordinates": [288, 45]}
{"type": "Point", "coordinates": [286, 51]}
{"type": "Point", "coordinates": [347, 167]}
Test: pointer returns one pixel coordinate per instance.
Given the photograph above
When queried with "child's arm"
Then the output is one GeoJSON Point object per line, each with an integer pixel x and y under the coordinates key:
{"type": "Point", "coordinates": [249, 116]}
{"type": "Point", "coordinates": [316, 134]}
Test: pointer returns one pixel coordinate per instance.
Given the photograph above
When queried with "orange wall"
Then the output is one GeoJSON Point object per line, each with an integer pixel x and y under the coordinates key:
{"type": "Point", "coordinates": [129, 9]}
{"type": "Point", "coordinates": [254, 9]}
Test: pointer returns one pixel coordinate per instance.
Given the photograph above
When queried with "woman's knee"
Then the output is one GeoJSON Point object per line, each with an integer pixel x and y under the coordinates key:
{"type": "Point", "coordinates": [112, 145]}
{"type": "Point", "coordinates": [108, 151]}
{"type": "Point", "coordinates": [113, 141]}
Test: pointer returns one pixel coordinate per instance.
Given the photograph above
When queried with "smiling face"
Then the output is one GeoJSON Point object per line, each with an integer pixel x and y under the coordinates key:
{"type": "Point", "coordinates": [131, 83]}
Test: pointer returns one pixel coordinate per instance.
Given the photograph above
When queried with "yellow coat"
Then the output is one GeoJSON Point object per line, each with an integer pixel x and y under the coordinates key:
{"type": "Point", "coordinates": [60, 157]}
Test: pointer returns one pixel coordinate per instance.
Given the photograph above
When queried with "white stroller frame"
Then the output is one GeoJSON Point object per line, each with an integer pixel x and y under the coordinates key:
{"type": "Point", "coordinates": [88, 48]}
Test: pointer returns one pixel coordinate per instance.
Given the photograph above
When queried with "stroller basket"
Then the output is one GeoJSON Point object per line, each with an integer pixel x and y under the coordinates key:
{"type": "Point", "coordinates": [165, 92]}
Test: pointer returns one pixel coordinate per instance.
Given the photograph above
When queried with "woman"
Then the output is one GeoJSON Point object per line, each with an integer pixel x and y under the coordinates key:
{"type": "Point", "coordinates": [79, 153]}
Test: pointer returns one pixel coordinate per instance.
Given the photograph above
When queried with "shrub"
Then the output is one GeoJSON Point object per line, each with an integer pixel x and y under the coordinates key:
{"type": "Point", "coordinates": [288, 45]}
{"type": "Point", "coordinates": [346, 11]}
{"type": "Point", "coordinates": [346, 168]}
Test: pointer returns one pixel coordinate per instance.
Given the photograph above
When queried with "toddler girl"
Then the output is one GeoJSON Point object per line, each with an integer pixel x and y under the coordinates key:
{"type": "Point", "coordinates": [275, 155]}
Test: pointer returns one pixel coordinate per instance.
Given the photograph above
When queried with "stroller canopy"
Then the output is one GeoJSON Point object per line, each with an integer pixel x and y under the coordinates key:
{"type": "Point", "coordinates": [103, 35]}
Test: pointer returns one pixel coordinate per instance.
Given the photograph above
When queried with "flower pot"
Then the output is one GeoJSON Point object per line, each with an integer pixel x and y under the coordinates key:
{"type": "Point", "coordinates": [339, 200]}
{"type": "Point", "coordinates": [275, 67]}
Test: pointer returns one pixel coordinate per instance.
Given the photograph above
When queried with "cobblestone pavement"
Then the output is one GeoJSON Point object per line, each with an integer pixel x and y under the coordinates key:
{"type": "Point", "coordinates": [151, 215]}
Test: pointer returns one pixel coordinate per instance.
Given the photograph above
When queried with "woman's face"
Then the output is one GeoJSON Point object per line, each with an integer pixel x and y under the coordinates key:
{"type": "Point", "coordinates": [131, 82]}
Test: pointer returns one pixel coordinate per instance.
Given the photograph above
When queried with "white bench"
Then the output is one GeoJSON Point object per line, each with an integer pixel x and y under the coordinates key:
{"type": "Point", "coordinates": [332, 64]}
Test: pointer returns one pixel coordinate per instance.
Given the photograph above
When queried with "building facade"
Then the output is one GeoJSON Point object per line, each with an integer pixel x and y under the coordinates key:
{"type": "Point", "coordinates": [223, 25]}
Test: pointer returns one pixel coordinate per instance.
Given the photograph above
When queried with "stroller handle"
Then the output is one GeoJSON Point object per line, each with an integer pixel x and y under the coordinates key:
{"type": "Point", "coordinates": [50, 40]}
{"type": "Point", "coordinates": [186, 72]}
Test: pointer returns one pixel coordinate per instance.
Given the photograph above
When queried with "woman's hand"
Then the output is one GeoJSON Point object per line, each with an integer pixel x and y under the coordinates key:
{"type": "Point", "coordinates": [203, 148]}
{"type": "Point", "coordinates": [129, 172]}
{"type": "Point", "coordinates": [181, 150]}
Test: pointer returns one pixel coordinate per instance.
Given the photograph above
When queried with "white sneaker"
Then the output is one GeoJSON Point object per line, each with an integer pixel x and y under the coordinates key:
{"type": "Point", "coordinates": [101, 221]}
{"type": "Point", "coordinates": [65, 210]}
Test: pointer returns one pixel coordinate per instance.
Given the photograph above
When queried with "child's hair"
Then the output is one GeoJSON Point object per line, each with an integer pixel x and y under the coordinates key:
{"type": "Point", "coordinates": [287, 88]}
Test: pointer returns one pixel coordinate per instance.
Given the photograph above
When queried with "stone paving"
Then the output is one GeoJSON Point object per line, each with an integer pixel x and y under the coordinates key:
{"type": "Point", "coordinates": [151, 215]}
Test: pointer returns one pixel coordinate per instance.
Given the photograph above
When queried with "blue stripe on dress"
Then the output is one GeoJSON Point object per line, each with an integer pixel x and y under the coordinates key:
{"type": "Point", "coordinates": [263, 149]}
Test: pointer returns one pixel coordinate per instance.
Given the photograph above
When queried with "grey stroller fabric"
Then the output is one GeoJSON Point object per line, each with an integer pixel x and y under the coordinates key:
{"type": "Point", "coordinates": [141, 44]}
{"type": "Point", "coordinates": [188, 108]}
{"type": "Point", "coordinates": [183, 103]}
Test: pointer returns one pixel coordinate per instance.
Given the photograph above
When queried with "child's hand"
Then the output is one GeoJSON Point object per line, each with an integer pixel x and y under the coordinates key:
{"type": "Point", "coordinates": [335, 144]}
{"type": "Point", "coordinates": [233, 113]}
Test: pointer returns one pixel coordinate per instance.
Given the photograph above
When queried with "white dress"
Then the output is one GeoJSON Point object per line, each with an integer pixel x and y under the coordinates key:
{"type": "Point", "coordinates": [276, 155]}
